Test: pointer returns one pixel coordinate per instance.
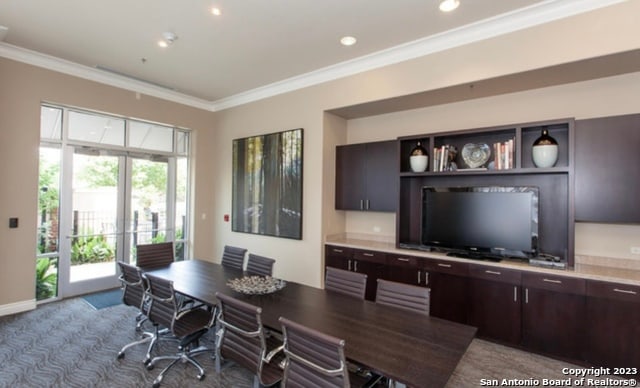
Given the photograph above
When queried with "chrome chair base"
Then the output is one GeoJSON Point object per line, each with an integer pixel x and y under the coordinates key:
{"type": "Point", "coordinates": [185, 355]}
{"type": "Point", "coordinates": [148, 337]}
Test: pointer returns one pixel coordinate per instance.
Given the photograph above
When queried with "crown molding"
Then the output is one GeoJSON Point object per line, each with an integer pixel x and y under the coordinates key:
{"type": "Point", "coordinates": [81, 71]}
{"type": "Point", "coordinates": [540, 13]}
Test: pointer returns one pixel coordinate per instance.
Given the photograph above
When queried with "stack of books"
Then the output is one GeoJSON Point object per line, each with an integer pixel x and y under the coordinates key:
{"type": "Point", "coordinates": [503, 155]}
{"type": "Point", "coordinates": [442, 158]}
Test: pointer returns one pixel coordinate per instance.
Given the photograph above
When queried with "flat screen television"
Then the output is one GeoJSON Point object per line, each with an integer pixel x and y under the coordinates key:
{"type": "Point", "coordinates": [491, 222]}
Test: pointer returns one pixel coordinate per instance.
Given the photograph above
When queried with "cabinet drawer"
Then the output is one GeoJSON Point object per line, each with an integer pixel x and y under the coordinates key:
{"type": "Point", "coordinates": [615, 291]}
{"type": "Point", "coordinates": [444, 266]}
{"type": "Point", "coordinates": [370, 256]}
{"type": "Point", "coordinates": [336, 251]}
{"type": "Point", "coordinates": [497, 274]}
{"type": "Point", "coordinates": [402, 261]}
{"type": "Point", "coordinates": [553, 282]}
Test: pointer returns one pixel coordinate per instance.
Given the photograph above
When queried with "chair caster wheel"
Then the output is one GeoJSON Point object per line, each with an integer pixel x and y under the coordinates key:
{"type": "Point", "coordinates": [150, 367]}
{"type": "Point", "coordinates": [146, 361]}
{"type": "Point", "coordinates": [201, 377]}
{"type": "Point", "coordinates": [120, 355]}
{"type": "Point", "coordinates": [156, 385]}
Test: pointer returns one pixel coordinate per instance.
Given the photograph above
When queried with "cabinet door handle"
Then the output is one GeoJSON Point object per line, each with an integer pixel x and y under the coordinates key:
{"type": "Point", "coordinates": [402, 259]}
{"type": "Point", "coordinates": [444, 265]}
{"type": "Point", "coordinates": [419, 276]}
{"type": "Point", "coordinates": [336, 250]}
{"type": "Point", "coordinates": [361, 204]}
{"type": "Point", "coordinates": [368, 254]}
{"type": "Point", "coordinates": [552, 281]}
{"type": "Point", "coordinates": [515, 293]}
{"type": "Point", "coordinates": [426, 278]}
{"type": "Point", "coordinates": [355, 265]}
{"type": "Point", "coordinates": [349, 267]}
{"type": "Point", "coordinates": [526, 295]}
{"type": "Point", "coordinates": [493, 272]}
{"type": "Point", "coordinates": [630, 292]}
{"type": "Point", "coordinates": [366, 204]}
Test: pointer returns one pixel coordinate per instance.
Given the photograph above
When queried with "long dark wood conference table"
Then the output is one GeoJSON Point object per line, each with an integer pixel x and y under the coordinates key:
{"type": "Point", "coordinates": [417, 350]}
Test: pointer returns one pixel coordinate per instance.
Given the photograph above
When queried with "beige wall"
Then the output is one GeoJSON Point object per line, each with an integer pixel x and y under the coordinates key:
{"type": "Point", "coordinates": [23, 88]}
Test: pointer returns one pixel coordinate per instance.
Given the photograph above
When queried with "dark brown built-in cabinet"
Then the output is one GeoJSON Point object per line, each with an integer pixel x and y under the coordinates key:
{"type": "Point", "coordinates": [553, 314]}
{"type": "Point", "coordinates": [357, 260]}
{"type": "Point", "coordinates": [366, 176]}
{"type": "Point", "coordinates": [555, 184]}
{"type": "Point", "coordinates": [613, 325]}
{"type": "Point", "coordinates": [571, 318]}
{"type": "Point", "coordinates": [607, 171]}
{"type": "Point", "coordinates": [495, 303]}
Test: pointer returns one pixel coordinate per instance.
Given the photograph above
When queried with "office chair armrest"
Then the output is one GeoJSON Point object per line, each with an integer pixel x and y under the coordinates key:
{"type": "Point", "coordinates": [123, 281]}
{"type": "Point", "coordinates": [312, 365]}
{"type": "Point", "coordinates": [273, 353]}
{"type": "Point", "coordinates": [182, 311]}
{"type": "Point", "coordinates": [238, 330]}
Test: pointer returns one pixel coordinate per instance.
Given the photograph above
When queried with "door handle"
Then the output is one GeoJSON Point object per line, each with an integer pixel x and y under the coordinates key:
{"type": "Point", "coordinates": [630, 292]}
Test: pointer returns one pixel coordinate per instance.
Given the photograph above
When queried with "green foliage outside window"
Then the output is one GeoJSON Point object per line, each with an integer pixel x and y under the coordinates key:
{"type": "Point", "coordinates": [91, 249]}
{"type": "Point", "coordinates": [46, 278]}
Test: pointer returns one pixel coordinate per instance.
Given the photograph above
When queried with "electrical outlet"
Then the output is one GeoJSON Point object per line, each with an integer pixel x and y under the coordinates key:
{"type": "Point", "coordinates": [635, 250]}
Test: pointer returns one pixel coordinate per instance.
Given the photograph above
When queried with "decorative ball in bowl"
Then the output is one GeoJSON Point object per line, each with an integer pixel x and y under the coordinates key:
{"type": "Point", "coordinates": [256, 284]}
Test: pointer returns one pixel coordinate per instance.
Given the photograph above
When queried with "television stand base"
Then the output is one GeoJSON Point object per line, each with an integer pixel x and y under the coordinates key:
{"type": "Point", "coordinates": [473, 256]}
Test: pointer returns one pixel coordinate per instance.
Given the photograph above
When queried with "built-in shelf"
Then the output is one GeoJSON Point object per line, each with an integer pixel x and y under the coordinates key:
{"type": "Point", "coordinates": [555, 184]}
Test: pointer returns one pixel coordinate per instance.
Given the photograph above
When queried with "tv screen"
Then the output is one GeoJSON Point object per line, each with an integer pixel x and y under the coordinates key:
{"type": "Point", "coordinates": [484, 221]}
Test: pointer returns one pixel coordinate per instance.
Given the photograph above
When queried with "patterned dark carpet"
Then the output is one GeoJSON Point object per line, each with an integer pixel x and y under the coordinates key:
{"type": "Point", "coordinates": [69, 344]}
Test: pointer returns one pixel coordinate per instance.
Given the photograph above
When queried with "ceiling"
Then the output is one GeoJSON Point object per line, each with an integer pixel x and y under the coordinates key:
{"type": "Point", "coordinates": [255, 48]}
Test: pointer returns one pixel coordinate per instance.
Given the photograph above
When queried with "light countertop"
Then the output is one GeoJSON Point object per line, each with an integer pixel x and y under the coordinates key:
{"type": "Point", "coordinates": [626, 271]}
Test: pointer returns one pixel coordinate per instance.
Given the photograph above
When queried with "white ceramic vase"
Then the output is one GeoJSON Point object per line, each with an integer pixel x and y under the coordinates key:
{"type": "Point", "coordinates": [419, 163]}
{"type": "Point", "coordinates": [545, 155]}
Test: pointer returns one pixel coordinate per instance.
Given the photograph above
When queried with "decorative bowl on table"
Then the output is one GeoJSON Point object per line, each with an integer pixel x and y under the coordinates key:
{"type": "Point", "coordinates": [475, 155]}
{"type": "Point", "coordinates": [256, 285]}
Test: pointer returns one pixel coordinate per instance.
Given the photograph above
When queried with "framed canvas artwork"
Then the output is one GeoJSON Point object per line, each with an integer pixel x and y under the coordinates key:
{"type": "Point", "coordinates": [267, 184]}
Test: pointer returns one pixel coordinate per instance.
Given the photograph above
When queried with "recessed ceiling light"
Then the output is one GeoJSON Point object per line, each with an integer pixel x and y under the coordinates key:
{"type": "Point", "coordinates": [348, 40]}
{"type": "Point", "coordinates": [216, 11]}
{"type": "Point", "coordinates": [449, 5]}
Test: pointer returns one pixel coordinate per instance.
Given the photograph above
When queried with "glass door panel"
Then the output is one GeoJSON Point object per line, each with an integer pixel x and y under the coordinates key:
{"type": "Point", "coordinates": [48, 224]}
{"type": "Point", "coordinates": [94, 222]}
{"type": "Point", "coordinates": [148, 204]}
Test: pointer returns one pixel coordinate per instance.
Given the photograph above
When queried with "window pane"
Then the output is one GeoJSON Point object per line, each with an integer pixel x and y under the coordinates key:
{"type": "Point", "coordinates": [148, 201]}
{"type": "Point", "coordinates": [96, 129]}
{"type": "Point", "coordinates": [182, 176]}
{"type": "Point", "coordinates": [182, 146]}
{"type": "Point", "coordinates": [50, 123]}
{"type": "Point", "coordinates": [150, 137]}
{"type": "Point", "coordinates": [48, 200]}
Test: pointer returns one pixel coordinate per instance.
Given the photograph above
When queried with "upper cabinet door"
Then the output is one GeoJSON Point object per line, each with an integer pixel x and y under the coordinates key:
{"type": "Point", "coordinates": [350, 177]}
{"type": "Point", "coordinates": [366, 176]}
{"type": "Point", "coordinates": [607, 169]}
{"type": "Point", "coordinates": [382, 176]}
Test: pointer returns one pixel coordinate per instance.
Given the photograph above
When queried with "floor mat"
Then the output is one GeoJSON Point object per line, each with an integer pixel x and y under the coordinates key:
{"type": "Point", "coordinates": [100, 300]}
